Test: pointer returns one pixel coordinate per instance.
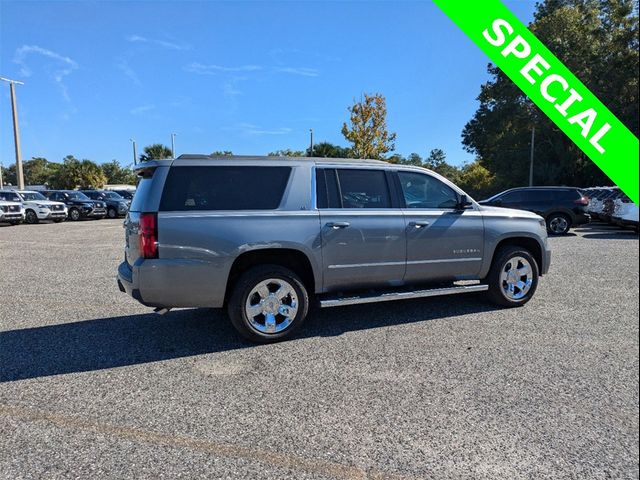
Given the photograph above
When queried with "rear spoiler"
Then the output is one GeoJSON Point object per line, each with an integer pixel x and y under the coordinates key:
{"type": "Point", "coordinates": [145, 168]}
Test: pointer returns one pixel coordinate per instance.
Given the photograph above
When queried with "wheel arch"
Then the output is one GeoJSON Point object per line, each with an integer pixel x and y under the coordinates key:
{"type": "Point", "coordinates": [294, 259]}
{"type": "Point", "coordinates": [530, 243]}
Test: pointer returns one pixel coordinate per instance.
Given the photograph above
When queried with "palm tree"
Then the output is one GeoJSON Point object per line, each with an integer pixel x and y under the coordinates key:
{"type": "Point", "coordinates": [157, 151]}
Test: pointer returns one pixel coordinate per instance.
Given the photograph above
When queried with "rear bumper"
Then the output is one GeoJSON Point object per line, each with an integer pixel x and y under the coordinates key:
{"type": "Point", "coordinates": [173, 283]}
{"type": "Point", "coordinates": [126, 283]}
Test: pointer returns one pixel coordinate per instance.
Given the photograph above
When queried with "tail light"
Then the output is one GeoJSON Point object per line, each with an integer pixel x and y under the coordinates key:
{"type": "Point", "coordinates": [582, 201]}
{"type": "Point", "coordinates": [148, 234]}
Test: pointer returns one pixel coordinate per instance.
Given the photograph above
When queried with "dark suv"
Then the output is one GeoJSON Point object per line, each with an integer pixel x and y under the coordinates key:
{"type": "Point", "coordinates": [78, 204]}
{"type": "Point", "coordinates": [117, 206]}
{"type": "Point", "coordinates": [561, 207]}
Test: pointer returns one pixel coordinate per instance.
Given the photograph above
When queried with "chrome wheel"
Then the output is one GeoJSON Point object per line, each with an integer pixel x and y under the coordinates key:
{"type": "Point", "coordinates": [558, 225]}
{"type": "Point", "coordinates": [271, 306]}
{"type": "Point", "coordinates": [516, 278]}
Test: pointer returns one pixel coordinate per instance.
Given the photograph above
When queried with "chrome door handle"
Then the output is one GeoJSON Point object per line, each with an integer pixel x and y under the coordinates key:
{"type": "Point", "coordinates": [419, 224]}
{"type": "Point", "coordinates": [336, 225]}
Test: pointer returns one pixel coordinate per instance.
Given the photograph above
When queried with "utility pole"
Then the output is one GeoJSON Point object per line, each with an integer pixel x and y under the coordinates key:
{"type": "Point", "coordinates": [173, 145]}
{"type": "Point", "coordinates": [16, 130]}
{"type": "Point", "coordinates": [135, 156]}
{"type": "Point", "coordinates": [533, 139]}
{"type": "Point", "coordinates": [311, 147]}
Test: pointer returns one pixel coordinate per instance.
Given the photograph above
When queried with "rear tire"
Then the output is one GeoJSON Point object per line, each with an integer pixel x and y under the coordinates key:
{"type": "Point", "coordinates": [513, 277]}
{"type": "Point", "coordinates": [268, 303]}
{"type": "Point", "coordinates": [558, 224]}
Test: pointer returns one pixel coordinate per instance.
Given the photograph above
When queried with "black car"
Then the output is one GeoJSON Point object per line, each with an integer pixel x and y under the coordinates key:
{"type": "Point", "coordinates": [78, 204]}
{"type": "Point", "coordinates": [126, 194]}
{"type": "Point", "coordinates": [561, 207]}
{"type": "Point", "coordinates": [117, 206]}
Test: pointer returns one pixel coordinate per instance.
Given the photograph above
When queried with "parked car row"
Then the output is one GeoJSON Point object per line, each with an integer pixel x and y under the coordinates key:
{"type": "Point", "coordinates": [30, 206]}
{"type": "Point", "coordinates": [612, 205]}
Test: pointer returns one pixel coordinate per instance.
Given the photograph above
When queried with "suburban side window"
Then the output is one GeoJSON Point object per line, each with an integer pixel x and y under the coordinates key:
{"type": "Point", "coordinates": [224, 188]}
{"type": "Point", "coordinates": [424, 191]}
{"type": "Point", "coordinates": [360, 188]}
{"type": "Point", "coordinates": [328, 195]}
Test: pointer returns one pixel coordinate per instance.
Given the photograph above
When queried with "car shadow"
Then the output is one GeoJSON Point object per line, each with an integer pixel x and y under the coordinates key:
{"type": "Point", "coordinates": [103, 343]}
{"type": "Point", "coordinates": [617, 235]}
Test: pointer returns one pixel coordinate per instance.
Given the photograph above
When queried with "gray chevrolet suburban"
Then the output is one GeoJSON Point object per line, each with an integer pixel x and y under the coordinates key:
{"type": "Point", "coordinates": [263, 236]}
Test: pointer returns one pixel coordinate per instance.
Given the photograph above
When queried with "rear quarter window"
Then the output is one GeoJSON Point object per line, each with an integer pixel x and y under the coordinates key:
{"type": "Point", "coordinates": [224, 188]}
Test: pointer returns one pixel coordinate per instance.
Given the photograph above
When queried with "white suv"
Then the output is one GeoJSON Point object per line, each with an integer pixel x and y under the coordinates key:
{"type": "Point", "coordinates": [11, 212]}
{"type": "Point", "coordinates": [625, 212]}
{"type": "Point", "coordinates": [36, 206]}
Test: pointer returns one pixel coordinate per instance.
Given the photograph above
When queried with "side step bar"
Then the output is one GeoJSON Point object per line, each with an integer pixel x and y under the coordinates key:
{"type": "Point", "coordinates": [387, 297]}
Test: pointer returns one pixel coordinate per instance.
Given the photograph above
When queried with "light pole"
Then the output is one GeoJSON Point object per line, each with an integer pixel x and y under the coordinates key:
{"type": "Point", "coordinates": [533, 139]}
{"type": "Point", "coordinates": [311, 147]}
{"type": "Point", "coordinates": [16, 130]}
{"type": "Point", "coordinates": [135, 156]}
{"type": "Point", "coordinates": [173, 145]}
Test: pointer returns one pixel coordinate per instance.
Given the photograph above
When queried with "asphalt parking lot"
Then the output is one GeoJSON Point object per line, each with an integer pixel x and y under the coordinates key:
{"type": "Point", "coordinates": [96, 386]}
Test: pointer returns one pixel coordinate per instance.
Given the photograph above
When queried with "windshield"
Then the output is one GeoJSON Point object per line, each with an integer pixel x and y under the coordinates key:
{"type": "Point", "coordinates": [77, 196]}
{"type": "Point", "coordinates": [10, 197]}
{"type": "Point", "coordinates": [32, 196]}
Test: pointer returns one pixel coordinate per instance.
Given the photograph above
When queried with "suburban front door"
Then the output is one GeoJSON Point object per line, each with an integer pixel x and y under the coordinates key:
{"type": "Point", "coordinates": [362, 229]}
{"type": "Point", "coordinates": [443, 241]}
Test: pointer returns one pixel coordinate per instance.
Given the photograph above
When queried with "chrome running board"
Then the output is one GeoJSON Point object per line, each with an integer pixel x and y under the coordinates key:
{"type": "Point", "coordinates": [390, 296]}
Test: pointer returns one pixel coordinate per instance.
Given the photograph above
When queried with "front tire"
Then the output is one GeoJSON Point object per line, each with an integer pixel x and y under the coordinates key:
{"type": "Point", "coordinates": [558, 224]}
{"type": "Point", "coordinates": [30, 217]}
{"type": "Point", "coordinates": [74, 214]}
{"type": "Point", "coordinates": [112, 213]}
{"type": "Point", "coordinates": [268, 303]}
{"type": "Point", "coordinates": [513, 277]}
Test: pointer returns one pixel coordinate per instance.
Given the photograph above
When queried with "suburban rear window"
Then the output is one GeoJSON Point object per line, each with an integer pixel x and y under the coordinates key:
{"type": "Point", "coordinates": [224, 188]}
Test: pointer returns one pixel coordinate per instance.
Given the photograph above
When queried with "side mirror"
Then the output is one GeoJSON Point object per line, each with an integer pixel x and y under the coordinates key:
{"type": "Point", "coordinates": [497, 201]}
{"type": "Point", "coordinates": [464, 202]}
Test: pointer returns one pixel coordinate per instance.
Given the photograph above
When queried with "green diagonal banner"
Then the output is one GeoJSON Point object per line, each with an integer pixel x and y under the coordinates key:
{"type": "Point", "coordinates": [551, 86]}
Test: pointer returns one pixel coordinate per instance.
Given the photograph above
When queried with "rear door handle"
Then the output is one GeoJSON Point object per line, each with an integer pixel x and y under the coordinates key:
{"type": "Point", "coordinates": [419, 224]}
{"type": "Point", "coordinates": [336, 225]}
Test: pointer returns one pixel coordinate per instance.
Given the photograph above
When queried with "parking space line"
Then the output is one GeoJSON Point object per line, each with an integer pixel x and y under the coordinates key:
{"type": "Point", "coordinates": [279, 460]}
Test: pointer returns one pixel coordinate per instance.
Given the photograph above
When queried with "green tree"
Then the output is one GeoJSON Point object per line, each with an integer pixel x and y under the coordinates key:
{"type": "Point", "coordinates": [287, 153]}
{"type": "Point", "coordinates": [598, 41]}
{"type": "Point", "coordinates": [329, 150]}
{"type": "Point", "coordinates": [117, 174]}
{"type": "Point", "coordinates": [74, 173]}
{"type": "Point", "coordinates": [37, 171]}
{"type": "Point", "coordinates": [368, 132]}
{"type": "Point", "coordinates": [437, 161]}
{"type": "Point", "coordinates": [476, 180]}
{"type": "Point", "coordinates": [222, 153]}
{"type": "Point", "coordinates": [157, 151]}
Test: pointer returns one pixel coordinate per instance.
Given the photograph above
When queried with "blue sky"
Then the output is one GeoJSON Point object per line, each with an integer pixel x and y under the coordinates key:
{"type": "Point", "coordinates": [250, 77]}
